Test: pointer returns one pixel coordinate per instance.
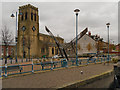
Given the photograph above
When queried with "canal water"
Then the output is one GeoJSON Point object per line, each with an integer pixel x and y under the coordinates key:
{"type": "Point", "coordinates": [106, 82]}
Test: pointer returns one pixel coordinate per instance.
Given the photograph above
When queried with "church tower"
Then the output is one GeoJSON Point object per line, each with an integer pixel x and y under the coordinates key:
{"type": "Point", "coordinates": [28, 31]}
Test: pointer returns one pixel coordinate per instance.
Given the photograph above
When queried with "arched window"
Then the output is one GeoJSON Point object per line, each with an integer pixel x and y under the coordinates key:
{"type": "Point", "coordinates": [56, 51]}
{"type": "Point", "coordinates": [26, 16]}
{"type": "Point", "coordinates": [52, 50]}
{"type": "Point", "coordinates": [35, 17]}
{"type": "Point", "coordinates": [7, 51]}
{"type": "Point", "coordinates": [22, 17]}
{"type": "Point", "coordinates": [42, 50]}
{"type": "Point", "coordinates": [31, 16]}
{"type": "Point", "coordinates": [2, 51]}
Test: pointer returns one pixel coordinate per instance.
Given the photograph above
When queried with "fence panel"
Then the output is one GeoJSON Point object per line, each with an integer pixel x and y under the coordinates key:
{"type": "Point", "coordinates": [38, 65]}
{"type": "Point", "coordinates": [26, 68]}
{"type": "Point", "coordinates": [56, 64]}
{"type": "Point", "coordinates": [72, 62]}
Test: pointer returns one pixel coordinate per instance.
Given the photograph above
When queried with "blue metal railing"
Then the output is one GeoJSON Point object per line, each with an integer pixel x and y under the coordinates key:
{"type": "Point", "coordinates": [49, 65]}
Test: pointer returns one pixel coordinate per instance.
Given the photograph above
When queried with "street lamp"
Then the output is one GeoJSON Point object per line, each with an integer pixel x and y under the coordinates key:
{"type": "Point", "coordinates": [76, 12]}
{"type": "Point", "coordinates": [33, 28]}
{"type": "Point", "coordinates": [12, 15]}
{"type": "Point", "coordinates": [23, 28]}
{"type": "Point", "coordinates": [108, 24]}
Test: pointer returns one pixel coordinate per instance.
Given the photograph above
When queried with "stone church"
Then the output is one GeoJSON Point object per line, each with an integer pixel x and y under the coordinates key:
{"type": "Point", "coordinates": [31, 43]}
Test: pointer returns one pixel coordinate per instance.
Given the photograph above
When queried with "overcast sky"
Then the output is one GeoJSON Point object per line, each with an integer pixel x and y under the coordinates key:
{"type": "Point", "coordinates": [60, 17]}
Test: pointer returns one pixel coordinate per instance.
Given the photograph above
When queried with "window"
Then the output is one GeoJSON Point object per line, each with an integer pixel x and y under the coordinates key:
{"type": "Point", "coordinates": [52, 50]}
{"type": "Point", "coordinates": [31, 16]}
{"type": "Point", "coordinates": [22, 17]}
{"type": "Point", "coordinates": [56, 51]}
{"type": "Point", "coordinates": [2, 51]}
{"type": "Point", "coordinates": [35, 17]}
{"type": "Point", "coordinates": [42, 50]}
{"type": "Point", "coordinates": [26, 16]}
{"type": "Point", "coordinates": [7, 51]}
{"type": "Point", "coordinates": [11, 50]}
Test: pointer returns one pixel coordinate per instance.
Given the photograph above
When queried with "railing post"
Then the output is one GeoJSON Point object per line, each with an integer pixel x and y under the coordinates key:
{"type": "Point", "coordinates": [38, 58]}
{"type": "Point", "coordinates": [21, 60]}
{"type": "Point", "coordinates": [61, 63]}
{"type": "Point", "coordinates": [95, 61]}
{"type": "Point", "coordinates": [1, 71]}
{"type": "Point", "coordinates": [72, 62]}
{"type": "Point", "coordinates": [42, 66]}
{"type": "Point", "coordinates": [110, 58]}
{"type": "Point", "coordinates": [32, 67]}
{"type": "Point", "coordinates": [104, 60]}
{"type": "Point", "coordinates": [66, 62]}
{"type": "Point", "coordinates": [51, 65]}
{"type": "Point", "coordinates": [87, 61]}
{"type": "Point", "coordinates": [98, 59]}
{"type": "Point", "coordinates": [20, 69]}
{"type": "Point", "coordinates": [101, 60]}
{"type": "Point", "coordinates": [11, 61]}
{"type": "Point", "coordinates": [54, 64]}
{"type": "Point", "coordinates": [80, 61]}
{"type": "Point", "coordinates": [26, 59]}
{"type": "Point", "coordinates": [5, 70]}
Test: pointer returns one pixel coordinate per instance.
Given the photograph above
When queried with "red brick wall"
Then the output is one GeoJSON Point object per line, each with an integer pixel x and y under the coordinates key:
{"type": "Point", "coordinates": [9, 50]}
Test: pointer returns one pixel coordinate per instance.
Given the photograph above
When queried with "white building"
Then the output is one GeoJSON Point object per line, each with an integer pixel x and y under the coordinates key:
{"type": "Point", "coordinates": [86, 44]}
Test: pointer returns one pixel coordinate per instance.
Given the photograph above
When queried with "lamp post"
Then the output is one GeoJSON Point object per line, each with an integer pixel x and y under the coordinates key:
{"type": "Point", "coordinates": [108, 24]}
{"type": "Point", "coordinates": [12, 15]}
{"type": "Point", "coordinates": [76, 12]}
{"type": "Point", "coordinates": [97, 43]}
{"type": "Point", "coordinates": [33, 28]}
{"type": "Point", "coordinates": [23, 28]}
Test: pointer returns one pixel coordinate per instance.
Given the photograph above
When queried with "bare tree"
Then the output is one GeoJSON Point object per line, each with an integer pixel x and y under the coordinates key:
{"type": "Point", "coordinates": [7, 39]}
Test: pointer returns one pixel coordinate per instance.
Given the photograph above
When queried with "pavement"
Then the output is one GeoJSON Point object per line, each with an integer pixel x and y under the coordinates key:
{"type": "Point", "coordinates": [56, 78]}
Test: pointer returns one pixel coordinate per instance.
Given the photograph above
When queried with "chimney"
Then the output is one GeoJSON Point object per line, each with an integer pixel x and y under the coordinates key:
{"type": "Point", "coordinates": [96, 35]}
{"type": "Point", "coordinates": [89, 33]}
{"type": "Point", "coordinates": [99, 36]}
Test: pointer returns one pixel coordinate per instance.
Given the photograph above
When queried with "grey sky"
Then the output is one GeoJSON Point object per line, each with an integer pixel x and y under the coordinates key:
{"type": "Point", "coordinates": [60, 17]}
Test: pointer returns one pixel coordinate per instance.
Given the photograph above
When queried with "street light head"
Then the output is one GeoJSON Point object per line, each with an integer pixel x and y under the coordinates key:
{"type": "Point", "coordinates": [108, 24]}
{"type": "Point", "coordinates": [76, 10]}
{"type": "Point", "coordinates": [12, 15]}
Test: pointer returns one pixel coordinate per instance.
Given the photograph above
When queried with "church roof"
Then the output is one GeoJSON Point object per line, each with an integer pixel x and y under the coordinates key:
{"type": "Point", "coordinates": [50, 36]}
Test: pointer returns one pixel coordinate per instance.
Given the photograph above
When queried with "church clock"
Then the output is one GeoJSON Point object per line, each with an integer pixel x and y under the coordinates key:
{"type": "Point", "coordinates": [23, 28]}
{"type": "Point", "coordinates": [33, 28]}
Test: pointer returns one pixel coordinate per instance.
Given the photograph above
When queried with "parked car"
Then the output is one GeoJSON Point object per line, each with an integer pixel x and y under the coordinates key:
{"type": "Point", "coordinates": [56, 56]}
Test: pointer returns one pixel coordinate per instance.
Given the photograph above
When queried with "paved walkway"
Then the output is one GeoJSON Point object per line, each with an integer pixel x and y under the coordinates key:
{"type": "Point", "coordinates": [56, 78]}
